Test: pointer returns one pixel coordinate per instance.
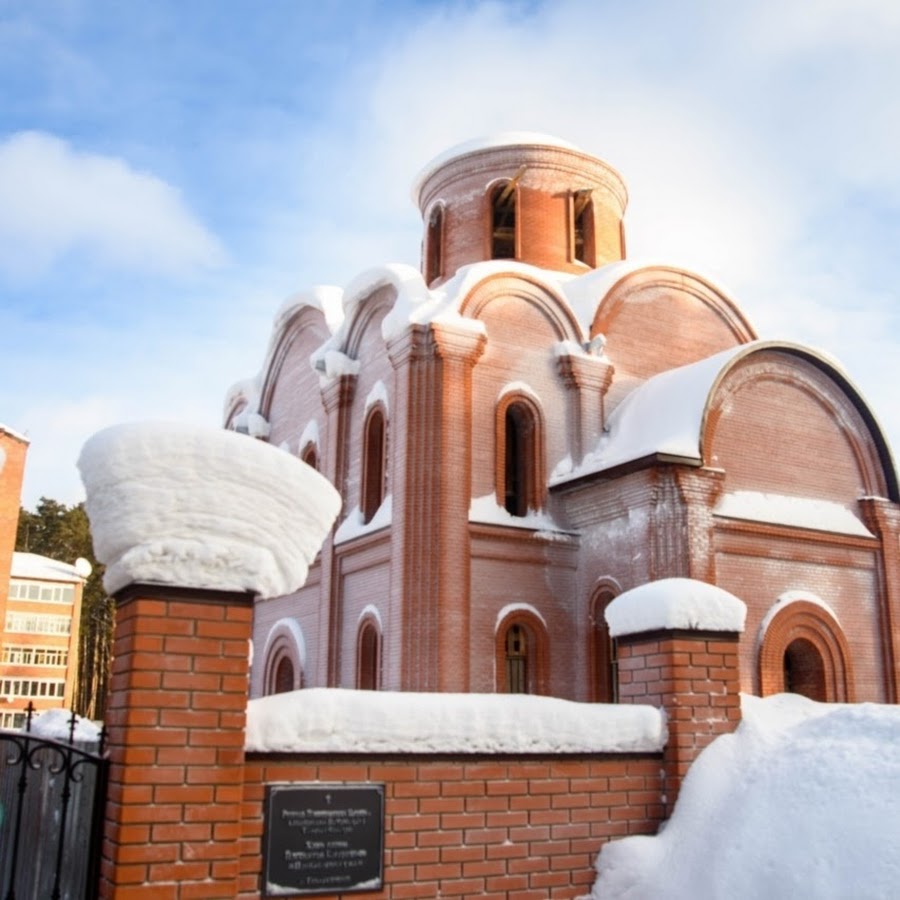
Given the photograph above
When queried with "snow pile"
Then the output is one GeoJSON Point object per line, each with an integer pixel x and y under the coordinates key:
{"type": "Point", "coordinates": [801, 801]}
{"type": "Point", "coordinates": [202, 507]}
{"type": "Point", "coordinates": [56, 724]}
{"type": "Point", "coordinates": [675, 603]}
{"type": "Point", "coordinates": [332, 720]}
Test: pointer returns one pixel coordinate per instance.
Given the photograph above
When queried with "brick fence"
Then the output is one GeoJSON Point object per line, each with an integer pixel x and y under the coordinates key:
{"type": "Point", "coordinates": [185, 815]}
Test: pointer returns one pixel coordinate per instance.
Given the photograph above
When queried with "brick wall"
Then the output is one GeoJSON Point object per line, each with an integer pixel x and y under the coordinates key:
{"type": "Point", "coordinates": [527, 828]}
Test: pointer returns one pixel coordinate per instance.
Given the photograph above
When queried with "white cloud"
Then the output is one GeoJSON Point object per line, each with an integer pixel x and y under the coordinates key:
{"type": "Point", "coordinates": [55, 200]}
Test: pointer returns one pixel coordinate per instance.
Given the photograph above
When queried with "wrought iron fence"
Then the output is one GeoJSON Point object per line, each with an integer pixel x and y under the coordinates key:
{"type": "Point", "coordinates": [52, 794]}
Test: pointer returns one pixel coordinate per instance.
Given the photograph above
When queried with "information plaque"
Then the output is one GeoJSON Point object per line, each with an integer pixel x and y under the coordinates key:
{"type": "Point", "coordinates": [323, 839]}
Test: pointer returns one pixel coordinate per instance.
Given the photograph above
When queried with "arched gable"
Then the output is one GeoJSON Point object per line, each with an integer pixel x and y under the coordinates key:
{"type": "Point", "coordinates": [288, 370]}
{"type": "Point", "coordinates": [516, 308]}
{"type": "Point", "coordinates": [659, 318]}
{"type": "Point", "coordinates": [813, 432]}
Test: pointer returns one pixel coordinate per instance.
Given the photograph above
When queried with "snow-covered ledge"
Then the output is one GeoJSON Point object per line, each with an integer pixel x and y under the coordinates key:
{"type": "Point", "coordinates": [675, 604]}
{"type": "Point", "coordinates": [332, 720]}
{"type": "Point", "coordinates": [201, 507]}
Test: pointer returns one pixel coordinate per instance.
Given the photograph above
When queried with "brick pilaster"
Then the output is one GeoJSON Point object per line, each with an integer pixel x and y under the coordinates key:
{"type": "Point", "coordinates": [695, 677]}
{"type": "Point", "coordinates": [176, 716]}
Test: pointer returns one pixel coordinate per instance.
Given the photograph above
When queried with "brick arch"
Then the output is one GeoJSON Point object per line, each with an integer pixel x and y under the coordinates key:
{"type": "Point", "coordinates": [301, 334]}
{"type": "Point", "coordinates": [538, 651]}
{"type": "Point", "coordinates": [816, 628]}
{"type": "Point", "coordinates": [534, 467]}
{"type": "Point", "coordinates": [816, 391]}
{"type": "Point", "coordinates": [505, 286]}
{"type": "Point", "coordinates": [284, 643]}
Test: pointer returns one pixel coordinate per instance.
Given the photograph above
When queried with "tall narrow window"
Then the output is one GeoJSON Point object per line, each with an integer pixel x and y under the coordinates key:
{"type": "Point", "coordinates": [583, 227]}
{"type": "Point", "coordinates": [434, 245]}
{"type": "Point", "coordinates": [284, 676]}
{"type": "Point", "coordinates": [373, 464]}
{"type": "Point", "coordinates": [519, 460]}
{"type": "Point", "coordinates": [310, 456]}
{"type": "Point", "coordinates": [503, 221]}
{"type": "Point", "coordinates": [517, 660]}
{"type": "Point", "coordinates": [605, 688]}
{"type": "Point", "coordinates": [368, 657]}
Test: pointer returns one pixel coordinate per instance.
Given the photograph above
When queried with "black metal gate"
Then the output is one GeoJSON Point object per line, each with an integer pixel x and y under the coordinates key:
{"type": "Point", "coordinates": [52, 794]}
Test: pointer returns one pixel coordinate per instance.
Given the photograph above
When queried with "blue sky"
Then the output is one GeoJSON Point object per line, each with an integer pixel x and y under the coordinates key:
{"type": "Point", "coordinates": [171, 171]}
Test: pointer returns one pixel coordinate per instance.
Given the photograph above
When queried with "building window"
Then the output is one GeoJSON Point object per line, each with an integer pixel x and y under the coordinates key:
{"type": "Point", "coordinates": [373, 476]}
{"type": "Point", "coordinates": [284, 676]}
{"type": "Point", "coordinates": [41, 593]}
{"type": "Point", "coordinates": [604, 668]}
{"type": "Point", "coordinates": [310, 456]}
{"type": "Point", "coordinates": [503, 221]}
{"type": "Point", "coordinates": [38, 624]}
{"type": "Point", "coordinates": [520, 480]}
{"type": "Point", "coordinates": [583, 228]}
{"type": "Point", "coordinates": [521, 648]}
{"type": "Point", "coordinates": [35, 656]}
{"type": "Point", "coordinates": [804, 670]}
{"type": "Point", "coordinates": [368, 657]}
{"type": "Point", "coordinates": [434, 244]}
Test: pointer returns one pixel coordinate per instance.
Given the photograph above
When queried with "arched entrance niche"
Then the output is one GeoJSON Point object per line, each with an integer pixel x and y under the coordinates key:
{"type": "Point", "coordinates": [804, 651]}
{"type": "Point", "coordinates": [604, 686]}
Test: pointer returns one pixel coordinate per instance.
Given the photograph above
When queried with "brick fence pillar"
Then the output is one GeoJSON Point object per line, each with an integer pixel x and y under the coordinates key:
{"type": "Point", "coordinates": [176, 716]}
{"type": "Point", "coordinates": [677, 644]}
{"type": "Point", "coordinates": [694, 677]}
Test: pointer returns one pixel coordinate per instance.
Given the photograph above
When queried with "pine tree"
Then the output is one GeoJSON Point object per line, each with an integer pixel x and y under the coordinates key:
{"type": "Point", "coordinates": [63, 533]}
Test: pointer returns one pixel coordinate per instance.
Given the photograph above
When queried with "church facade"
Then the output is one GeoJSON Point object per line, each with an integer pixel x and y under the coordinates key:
{"type": "Point", "coordinates": [531, 424]}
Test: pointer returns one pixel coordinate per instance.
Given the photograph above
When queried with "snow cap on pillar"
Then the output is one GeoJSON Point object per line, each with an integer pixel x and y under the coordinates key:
{"type": "Point", "coordinates": [200, 507]}
{"type": "Point", "coordinates": [675, 604]}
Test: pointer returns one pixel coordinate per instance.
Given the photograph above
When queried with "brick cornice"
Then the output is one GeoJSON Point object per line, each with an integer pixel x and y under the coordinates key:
{"type": "Point", "coordinates": [180, 594]}
{"type": "Point", "coordinates": [338, 392]}
{"type": "Point", "coordinates": [454, 343]}
{"type": "Point", "coordinates": [591, 372]}
{"type": "Point", "coordinates": [413, 343]}
{"type": "Point", "coordinates": [881, 517]}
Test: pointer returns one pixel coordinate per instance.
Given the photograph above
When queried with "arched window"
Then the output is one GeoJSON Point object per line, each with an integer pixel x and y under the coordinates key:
{"type": "Point", "coordinates": [804, 670]}
{"type": "Point", "coordinates": [310, 455]}
{"type": "Point", "coordinates": [520, 486]}
{"type": "Point", "coordinates": [804, 651]}
{"type": "Point", "coordinates": [521, 648]}
{"type": "Point", "coordinates": [368, 657]}
{"type": "Point", "coordinates": [434, 244]}
{"type": "Point", "coordinates": [604, 670]}
{"type": "Point", "coordinates": [373, 475]}
{"type": "Point", "coordinates": [503, 221]}
{"type": "Point", "coordinates": [284, 676]}
{"type": "Point", "coordinates": [583, 227]}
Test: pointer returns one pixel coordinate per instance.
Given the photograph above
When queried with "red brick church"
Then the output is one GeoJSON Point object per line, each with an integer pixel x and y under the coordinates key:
{"type": "Point", "coordinates": [531, 425]}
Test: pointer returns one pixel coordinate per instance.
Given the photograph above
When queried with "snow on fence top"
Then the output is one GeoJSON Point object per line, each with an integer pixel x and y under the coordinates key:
{"type": "Point", "coordinates": [675, 603]}
{"type": "Point", "coordinates": [333, 720]}
{"type": "Point", "coordinates": [201, 507]}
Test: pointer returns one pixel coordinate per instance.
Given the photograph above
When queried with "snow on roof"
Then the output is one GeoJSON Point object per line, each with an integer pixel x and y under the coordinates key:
{"type": "Point", "coordinates": [202, 507]}
{"type": "Point", "coordinates": [675, 603]}
{"type": "Point", "coordinates": [326, 298]}
{"type": "Point", "coordinates": [800, 801]}
{"type": "Point", "coordinates": [663, 415]}
{"type": "Point", "coordinates": [488, 142]}
{"type": "Point", "coordinates": [331, 720]}
{"type": "Point", "coordinates": [42, 568]}
{"type": "Point", "coordinates": [5, 429]}
{"type": "Point", "coordinates": [799, 512]}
